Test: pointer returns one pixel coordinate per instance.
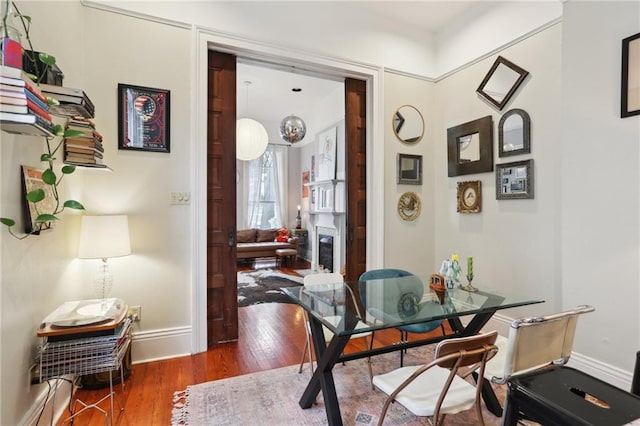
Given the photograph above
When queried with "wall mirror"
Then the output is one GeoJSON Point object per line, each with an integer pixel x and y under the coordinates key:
{"type": "Point", "coordinates": [410, 169]}
{"type": "Point", "coordinates": [408, 124]}
{"type": "Point", "coordinates": [514, 132]}
{"type": "Point", "coordinates": [501, 82]}
{"type": "Point", "coordinates": [514, 180]}
{"type": "Point", "coordinates": [470, 147]}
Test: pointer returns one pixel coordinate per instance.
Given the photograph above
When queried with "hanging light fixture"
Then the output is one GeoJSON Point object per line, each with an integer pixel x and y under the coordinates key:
{"type": "Point", "coordinates": [292, 129]}
{"type": "Point", "coordinates": [251, 136]}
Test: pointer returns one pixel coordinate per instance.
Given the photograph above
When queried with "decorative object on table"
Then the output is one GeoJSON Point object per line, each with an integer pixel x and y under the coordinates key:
{"type": "Point", "coordinates": [104, 237]}
{"type": "Point", "coordinates": [468, 286]}
{"type": "Point", "coordinates": [501, 82]}
{"type": "Point", "coordinates": [470, 197]}
{"type": "Point", "coordinates": [292, 129]}
{"type": "Point", "coordinates": [298, 219]}
{"type": "Point", "coordinates": [409, 206]}
{"type": "Point", "coordinates": [143, 118]}
{"type": "Point", "coordinates": [470, 147]}
{"type": "Point", "coordinates": [437, 285]}
{"type": "Point", "coordinates": [514, 180]}
{"type": "Point", "coordinates": [408, 124]}
{"type": "Point", "coordinates": [327, 149]}
{"type": "Point", "coordinates": [409, 169]}
{"type": "Point", "coordinates": [630, 94]}
{"type": "Point", "coordinates": [514, 133]}
{"type": "Point", "coordinates": [450, 270]}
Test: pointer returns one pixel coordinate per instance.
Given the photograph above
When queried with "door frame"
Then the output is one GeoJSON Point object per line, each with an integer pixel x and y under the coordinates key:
{"type": "Point", "coordinates": [205, 40]}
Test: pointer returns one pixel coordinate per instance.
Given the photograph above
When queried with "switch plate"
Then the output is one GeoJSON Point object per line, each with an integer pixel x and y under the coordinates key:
{"type": "Point", "coordinates": [180, 198]}
{"type": "Point", "coordinates": [135, 312]}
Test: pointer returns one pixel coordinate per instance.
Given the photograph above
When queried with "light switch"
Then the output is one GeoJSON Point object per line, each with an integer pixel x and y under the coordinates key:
{"type": "Point", "coordinates": [180, 198]}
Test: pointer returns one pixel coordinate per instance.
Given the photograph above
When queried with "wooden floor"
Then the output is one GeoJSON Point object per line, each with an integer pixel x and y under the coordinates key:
{"type": "Point", "coordinates": [271, 335]}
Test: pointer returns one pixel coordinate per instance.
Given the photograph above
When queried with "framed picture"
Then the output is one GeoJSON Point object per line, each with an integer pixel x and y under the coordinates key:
{"type": "Point", "coordinates": [32, 182]}
{"type": "Point", "coordinates": [470, 147]}
{"type": "Point", "coordinates": [630, 96]}
{"type": "Point", "coordinates": [143, 118]}
{"type": "Point", "coordinates": [327, 154]}
{"type": "Point", "coordinates": [501, 82]}
{"type": "Point", "coordinates": [410, 169]}
{"type": "Point", "coordinates": [470, 197]}
{"type": "Point", "coordinates": [514, 180]}
{"type": "Point", "coordinates": [305, 187]}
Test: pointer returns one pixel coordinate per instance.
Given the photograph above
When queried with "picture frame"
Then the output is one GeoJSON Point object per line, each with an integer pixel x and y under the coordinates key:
{"type": "Point", "coordinates": [501, 82]}
{"type": "Point", "coordinates": [143, 118]}
{"type": "Point", "coordinates": [327, 149]}
{"type": "Point", "coordinates": [409, 169]}
{"type": "Point", "coordinates": [305, 182]}
{"type": "Point", "coordinates": [630, 85]}
{"type": "Point", "coordinates": [515, 180]}
{"type": "Point", "coordinates": [470, 147]}
{"type": "Point", "coordinates": [469, 197]}
{"type": "Point", "coordinates": [32, 181]}
{"type": "Point", "coordinates": [514, 133]}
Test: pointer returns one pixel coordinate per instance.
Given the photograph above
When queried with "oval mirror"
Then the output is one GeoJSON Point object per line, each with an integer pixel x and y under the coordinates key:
{"type": "Point", "coordinates": [408, 124]}
{"type": "Point", "coordinates": [514, 133]}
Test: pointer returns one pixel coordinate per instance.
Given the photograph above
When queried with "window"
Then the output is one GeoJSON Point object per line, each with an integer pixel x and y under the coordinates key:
{"type": "Point", "coordinates": [266, 186]}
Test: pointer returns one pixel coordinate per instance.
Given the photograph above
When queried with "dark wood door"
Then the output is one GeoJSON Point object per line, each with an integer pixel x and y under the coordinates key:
{"type": "Point", "coordinates": [222, 299]}
{"type": "Point", "coordinates": [356, 174]}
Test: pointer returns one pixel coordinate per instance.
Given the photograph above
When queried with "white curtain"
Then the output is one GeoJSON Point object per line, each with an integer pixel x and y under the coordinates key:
{"type": "Point", "coordinates": [266, 187]}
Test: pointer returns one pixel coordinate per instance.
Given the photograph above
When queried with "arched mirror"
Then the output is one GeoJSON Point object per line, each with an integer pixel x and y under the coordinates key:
{"type": "Point", "coordinates": [514, 133]}
{"type": "Point", "coordinates": [408, 124]}
{"type": "Point", "coordinates": [501, 82]}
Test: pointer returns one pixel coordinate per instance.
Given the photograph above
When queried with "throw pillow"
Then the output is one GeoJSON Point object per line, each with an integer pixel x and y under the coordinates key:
{"type": "Point", "coordinates": [265, 235]}
{"type": "Point", "coordinates": [246, 236]}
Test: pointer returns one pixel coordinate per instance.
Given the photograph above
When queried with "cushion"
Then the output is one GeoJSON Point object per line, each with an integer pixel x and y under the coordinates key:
{"type": "Point", "coordinates": [265, 235]}
{"type": "Point", "coordinates": [246, 236]}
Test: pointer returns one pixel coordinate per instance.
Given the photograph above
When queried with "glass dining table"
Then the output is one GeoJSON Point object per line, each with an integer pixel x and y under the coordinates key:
{"type": "Point", "coordinates": [389, 303]}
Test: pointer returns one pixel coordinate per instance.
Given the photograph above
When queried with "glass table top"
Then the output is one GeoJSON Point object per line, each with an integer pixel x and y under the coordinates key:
{"type": "Point", "coordinates": [392, 302]}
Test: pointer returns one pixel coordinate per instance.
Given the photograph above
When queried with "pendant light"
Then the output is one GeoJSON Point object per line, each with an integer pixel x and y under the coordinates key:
{"type": "Point", "coordinates": [292, 127]}
{"type": "Point", "coordinates": [251, 136]}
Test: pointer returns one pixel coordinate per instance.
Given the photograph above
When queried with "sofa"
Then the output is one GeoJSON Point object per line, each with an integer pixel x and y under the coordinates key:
{"type": "Point", "coordinates": [253, 243]}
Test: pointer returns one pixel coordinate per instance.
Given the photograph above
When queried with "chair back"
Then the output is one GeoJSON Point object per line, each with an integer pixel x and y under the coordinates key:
{"type": "Point", "coordinates": [537, 341]}
{"type": "Point", "coordinates": [471, 350]}
{"type": "Point", "coordinates": [317, 279]}
{"type": "Point", "coordinates": [394, 290]}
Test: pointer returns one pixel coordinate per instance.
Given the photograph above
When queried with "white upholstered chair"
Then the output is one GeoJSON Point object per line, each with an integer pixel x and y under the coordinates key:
{"type": "Point", "coordinates": [435, 389]}
{"type": "Point", "coordinates": [321, 281]}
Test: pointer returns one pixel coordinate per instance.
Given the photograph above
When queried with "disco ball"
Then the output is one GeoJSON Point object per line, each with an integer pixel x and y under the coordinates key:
{"type": "Point", "coordinates": [292, 129]}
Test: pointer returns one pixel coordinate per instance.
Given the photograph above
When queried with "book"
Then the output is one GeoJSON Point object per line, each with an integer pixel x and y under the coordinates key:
{"type": "Point", "coordinates": [11, 94]}
{"type": "Point", "coordinates": [35, 93]}
{"type": "Point", "coordinates": [42, 104]}
{"type": "Point", "coordinates": [18, 118]}
{"type": "Point", "coordinates": [12, 100]}
{"type": "Point", "coordinates": [12, 88]}
{"type": "Point", "coordinates": [82, 160]}
{"type": "Point", "coordinates": [33, 129]}
{"type": "Point", "coordinates": [70, 110]}
{"type": "Point", "coordinates": [84, 102]}
{"type": "Point", "coordinates": [18, 109]}
{"type": "Point", "coordinates": [83, 150]}
{"type": "Point", "coordinates": [12, 81]}
{"type": "Point", "coordinates": [11, 72]}
{"type": "Point", "coordinates": [61, 90]}
{"type": "Point", "coordinates": [38, 110]}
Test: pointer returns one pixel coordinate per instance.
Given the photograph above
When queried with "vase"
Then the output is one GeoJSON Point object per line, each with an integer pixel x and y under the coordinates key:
{"type": "Point", "coordinates": [11, 47]}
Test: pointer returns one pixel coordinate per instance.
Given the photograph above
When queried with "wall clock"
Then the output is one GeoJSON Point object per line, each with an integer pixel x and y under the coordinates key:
{"type": "Point", "coordinates": [470, 196]}
{"type": "Point", "coordinates": [409, 206]}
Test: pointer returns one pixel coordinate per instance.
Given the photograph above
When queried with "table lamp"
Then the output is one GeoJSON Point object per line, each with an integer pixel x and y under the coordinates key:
{"type": "Point", "coordinates": [103, 237]}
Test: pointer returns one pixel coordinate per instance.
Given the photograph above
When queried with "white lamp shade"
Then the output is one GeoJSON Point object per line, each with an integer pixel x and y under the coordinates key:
{"type": "Point", "coordinates": [102, 237]}
{"type": "Point", "coordinates": [251, 139]}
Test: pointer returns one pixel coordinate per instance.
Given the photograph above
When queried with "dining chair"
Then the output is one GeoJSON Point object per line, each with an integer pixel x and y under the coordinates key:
{"type": "Point", "coordinates": [420, 328]}
{"type": "Point", "coordinates": [439, 387]}
{"type": "Point", "coordinates": [320, 283]}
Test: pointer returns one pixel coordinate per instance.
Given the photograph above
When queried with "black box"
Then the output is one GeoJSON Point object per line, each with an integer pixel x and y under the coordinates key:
{"type": "Point", "coordinates": [53, 75]}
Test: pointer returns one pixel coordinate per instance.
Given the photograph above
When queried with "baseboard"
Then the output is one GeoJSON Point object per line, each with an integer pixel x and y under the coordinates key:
{"type": "Point", "coordinates": [62, 392]}
{"type": "Point", "coordinates": [156, 345]}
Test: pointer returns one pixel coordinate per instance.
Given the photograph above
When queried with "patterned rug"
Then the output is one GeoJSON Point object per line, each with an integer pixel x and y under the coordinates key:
{"type": "Point", "coordinates": [270, 398]}
{"type": "Point", "coordinates": [263, 286]}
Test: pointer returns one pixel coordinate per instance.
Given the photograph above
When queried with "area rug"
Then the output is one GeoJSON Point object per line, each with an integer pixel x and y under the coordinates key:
{"type": "Point", "coordinates": [271, 397]}
{"type": "Point", "coordinates": [263, 286]}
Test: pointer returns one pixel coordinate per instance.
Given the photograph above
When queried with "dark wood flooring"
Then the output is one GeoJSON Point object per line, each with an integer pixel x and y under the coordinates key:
{"type": "Point", "coordinates": [271, 336]}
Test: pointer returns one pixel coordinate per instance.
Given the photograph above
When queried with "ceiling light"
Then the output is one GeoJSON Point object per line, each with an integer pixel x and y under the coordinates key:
{"type": "Point", "coordinates": [292, 129]}
{"type": "Point", "coordinates": [251, 136]}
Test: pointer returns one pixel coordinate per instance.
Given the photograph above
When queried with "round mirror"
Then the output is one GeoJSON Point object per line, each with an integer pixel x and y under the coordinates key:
{"type": "Point", "coordinates": [408, 124]}
{"type": "Point", "coordinates": [514, 133]}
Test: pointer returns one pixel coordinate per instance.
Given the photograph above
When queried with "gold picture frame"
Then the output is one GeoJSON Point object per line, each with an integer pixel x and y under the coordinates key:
{"type": "Point", "coordinates": [409, 206]}
{"type": "Point", "coordinates": [470, 196]}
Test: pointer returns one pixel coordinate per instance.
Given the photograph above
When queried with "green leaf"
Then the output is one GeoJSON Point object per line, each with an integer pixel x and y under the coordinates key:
{"type": "Point", "coordinates": [73, 133]}
{"type": "Point", "coordinates": [58, 130]}
{"type": "Point", "coordinates": [45, 217]}
{"type": "Point", "coordinates": [7, 221]}
{"type": "Point", "coordinates": [47, 59]}
{"type": "Point", "coordinates": [50, 101]}
{"type": "Point", "coordinates": [67, 170]}
{"type": "Point", "coordinates": [46, 157]}
{"type": "Point", "coordinates": [26, 18]}
{"type": "Point", "coordinates": [73, 204]}
{"type": "Point", "coordinates": [36, 195]}
{"type": "Point", "coordinates": [49, 177]}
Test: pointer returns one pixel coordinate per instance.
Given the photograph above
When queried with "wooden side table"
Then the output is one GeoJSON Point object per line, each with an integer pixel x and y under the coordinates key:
{"type": "Point", "coordinates": [303, 241]}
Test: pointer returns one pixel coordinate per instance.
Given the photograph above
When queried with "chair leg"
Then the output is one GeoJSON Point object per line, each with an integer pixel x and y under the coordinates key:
{"type": "Point", "coordinates": [304, 352]}
{"type": "Point", "coordinates": [369, 361]}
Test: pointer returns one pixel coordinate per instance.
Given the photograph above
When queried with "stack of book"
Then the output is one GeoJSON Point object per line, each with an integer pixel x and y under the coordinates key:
{"type": "Point", "coordinates": [73, 102]}
{"type": "Point", "coordinates": [23, 107]}
{"type": "Point", "coordinates": [86, 149]}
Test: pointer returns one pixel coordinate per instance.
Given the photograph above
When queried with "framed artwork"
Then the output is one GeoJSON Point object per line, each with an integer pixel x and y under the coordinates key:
{"type": "Point", "coordinates": [143, 118]}
{"type": "Point", "coordinates": [327, 154]}
{"type": "Point", "coordinates": [470, 197]}
{"type": "Point", "coordinates": [305, 187]}
{"type": "Point", "coordinates": [501, 82]}
{"type": "Point", "coordinates": [630, 96]}
{"type": "Point", "coordinates": [410, 169]}
{"type": "Point", "coordinates": [514, 180]}
{"type": "Point", "coordinates": [470, 147]}
{"type": "Point", "coordinates": [34, 188]}
{"type": "Point", "coordinates": [409, 206]}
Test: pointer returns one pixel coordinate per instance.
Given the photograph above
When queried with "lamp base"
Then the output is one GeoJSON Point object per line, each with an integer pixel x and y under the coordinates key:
{"type": "Point", "coordinates": [103, 282]}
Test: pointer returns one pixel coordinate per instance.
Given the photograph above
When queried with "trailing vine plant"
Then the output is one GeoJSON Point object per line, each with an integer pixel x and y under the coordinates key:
{"type": "Point", "coordinates": [49, 176]}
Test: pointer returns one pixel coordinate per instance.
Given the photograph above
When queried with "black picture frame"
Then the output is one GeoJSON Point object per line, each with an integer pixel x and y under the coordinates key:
{"type": "Point", "coordinates": [409, 169]}
{"type": "Point", "coordinates": [143, 118]}
{"type": "Point", "coordinates": [457, 165]}
{"type": "Point", "coordinates": [630, 90]}
{"type": "Point", "coordinates": [515, 181]}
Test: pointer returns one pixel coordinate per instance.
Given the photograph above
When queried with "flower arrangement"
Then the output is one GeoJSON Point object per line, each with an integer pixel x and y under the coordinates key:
{"type": "Point", "coordinates": [283, 235]}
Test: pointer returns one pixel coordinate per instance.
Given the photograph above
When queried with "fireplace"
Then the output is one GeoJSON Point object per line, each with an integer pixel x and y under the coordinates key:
{"type": "Point", "coordinates": [325, 252]}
